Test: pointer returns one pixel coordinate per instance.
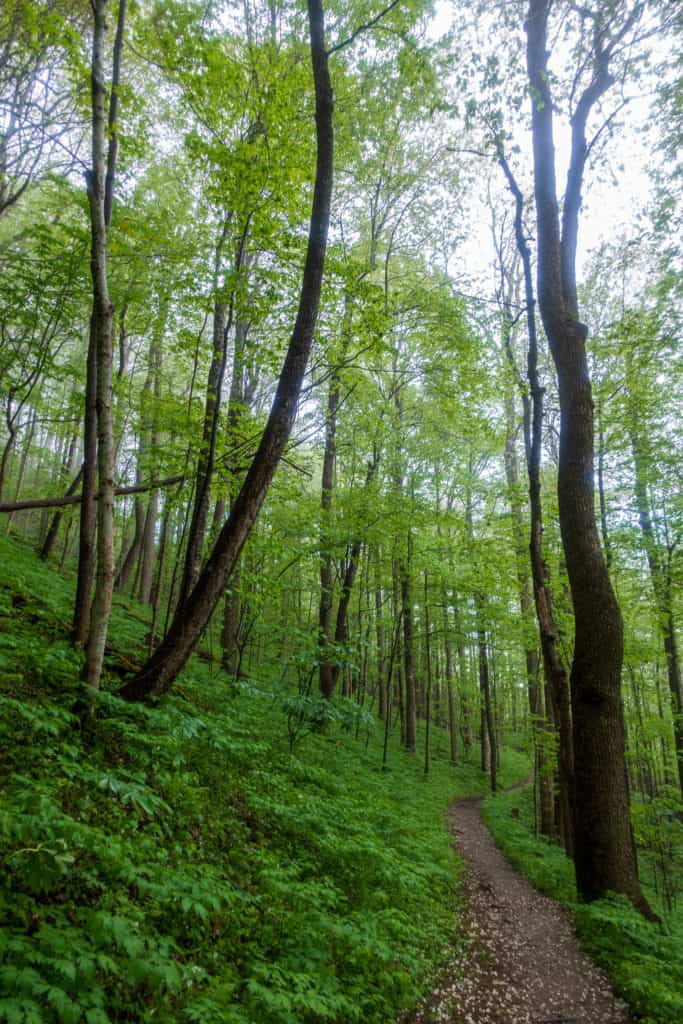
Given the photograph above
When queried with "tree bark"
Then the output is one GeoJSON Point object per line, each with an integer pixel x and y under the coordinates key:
{"type": "Point", "coordinates": [48, 544]}
{"type": "Point", "coordinates": [328, 677]}
{"type": "Point", "coordinates": [553, 666]}
{"type": "Point", "coordinates": [605, 858]}
{"type": "Point", "coordinates": [191, 618]}
{"type": "Point", "coordinates": [408, 662]}
{"type": "Point", "coordinates": [100, 183]}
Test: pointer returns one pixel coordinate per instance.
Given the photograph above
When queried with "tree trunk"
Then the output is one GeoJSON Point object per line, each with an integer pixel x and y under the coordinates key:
{"type": "Point", "coordinates": [448, 652]}
{"type": "Point", "coordinates": [100, 180]}
{"type": "Point", "coordinates": [205, 465]}
{"type": "Point", "coordinates": [379, 633]}
{"type": "Point", "coordinates": [133, 551]}
{"type": "Point", "coordinates": [102, 324]}
{"type": "Point", "coordinates": [605, 858]}
{"type": "Point", "coordinates": [56, 521]}
{"type": "Point", "coordinates": [408, 664]}
{"type": "Point", "coordinates": [553, 666]}
{"type": "Point", "coordinates": [191, 618]}
{"type": "Point", "coordinates": [428, 687]}
{"type": "Point", "coordinates": [328, 677]}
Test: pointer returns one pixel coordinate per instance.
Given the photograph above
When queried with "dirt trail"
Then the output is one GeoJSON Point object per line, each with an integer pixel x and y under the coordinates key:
{"type": "Point", "coordinates": [520, 962]}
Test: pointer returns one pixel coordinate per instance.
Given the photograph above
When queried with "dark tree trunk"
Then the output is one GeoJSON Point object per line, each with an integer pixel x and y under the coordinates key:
{"type": "Point", "coordinates": [379, 633]}
{"type": "Point", "coordinates": [328, 676]}
{"type": "Point", "coordinates": [133, 551]}
{"type": "Point", "coordinates": [428, 687]}
{"type": "Point", "coordinates": [605, 857]}
{"type": "Point", "coordinates": [53, 530]}
{"type": "Point", "coordinates": [553, 666]}
{"type": "Point", "coordinates": [191, 618]}
{"type": "Point", "coordinates": [408, 663]}
{"type": "Point", "coordinates": [200, 511]}
{"type": "Point", "coordinates": [341, 625]}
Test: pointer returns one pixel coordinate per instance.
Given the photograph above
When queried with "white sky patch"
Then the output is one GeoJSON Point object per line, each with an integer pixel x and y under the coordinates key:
{"type": "Point", "coordinates": [617, 183]}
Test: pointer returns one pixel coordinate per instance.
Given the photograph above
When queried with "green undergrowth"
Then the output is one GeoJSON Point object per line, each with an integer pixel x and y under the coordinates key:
{"type": "Point", "coordinates": [178, 864]}
{"type": "Point", "coordinates": [644, 961]}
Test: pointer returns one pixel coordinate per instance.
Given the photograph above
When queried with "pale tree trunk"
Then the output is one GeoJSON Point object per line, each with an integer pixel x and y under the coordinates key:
{"type": "Point", "coordinates": [237, 404]}
{"type": "Point", "coordinates": [191, 618]}
{"type": "Point", "coordinates": [450, 682]}
{"type": "Point", "coordinates": [100, 197]}
{"type": "Point", "coordinates": [147, 549]}
{"type": "Point", "coordinates": [605, 856]}
{"type": "Point", "coordinates": [100, 185]}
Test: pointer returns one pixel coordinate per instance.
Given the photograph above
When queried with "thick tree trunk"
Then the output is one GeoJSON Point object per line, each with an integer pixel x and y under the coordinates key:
{"type": "Point", "coordinates": [553, 666]}
{"type": "Point", "coordinates": [605, 858]}
{"type": "Point", "coordinates": [191, 618]}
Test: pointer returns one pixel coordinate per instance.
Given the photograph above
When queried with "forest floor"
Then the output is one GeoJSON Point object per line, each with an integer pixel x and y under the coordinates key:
{"type": "Point", "coordinates": [521, 962]}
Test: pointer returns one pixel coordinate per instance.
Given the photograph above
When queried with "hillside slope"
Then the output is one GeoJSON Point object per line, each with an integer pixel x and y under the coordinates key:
{"type": "Point", "coordinates": [180, 864]}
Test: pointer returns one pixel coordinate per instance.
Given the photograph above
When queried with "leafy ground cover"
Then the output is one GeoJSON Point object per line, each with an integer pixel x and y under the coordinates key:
{"type": "Point", "coordinates": [180, 864]}
{"type": "Point", "coordinates": [645, 961]}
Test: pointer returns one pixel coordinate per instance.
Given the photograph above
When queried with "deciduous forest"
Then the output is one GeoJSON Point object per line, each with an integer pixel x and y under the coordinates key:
{"type": "Point", "coordinates": [341, 494]}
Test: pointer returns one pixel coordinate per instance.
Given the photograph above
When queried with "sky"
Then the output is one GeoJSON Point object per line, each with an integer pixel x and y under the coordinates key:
{"type": "Point", "coordinates": [617, 188]}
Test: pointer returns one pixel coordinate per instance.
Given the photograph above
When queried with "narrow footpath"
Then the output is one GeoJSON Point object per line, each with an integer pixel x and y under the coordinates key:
{"type": "Point", "coordinates": [520, 961]}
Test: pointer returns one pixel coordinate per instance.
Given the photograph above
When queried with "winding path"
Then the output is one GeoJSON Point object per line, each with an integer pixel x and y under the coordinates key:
{"type": "Point", "coordinates": [520, 961]}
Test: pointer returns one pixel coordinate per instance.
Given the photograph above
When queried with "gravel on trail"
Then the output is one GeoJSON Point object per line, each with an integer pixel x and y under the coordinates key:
{"type": "Point", "coordinates": [519, 961]}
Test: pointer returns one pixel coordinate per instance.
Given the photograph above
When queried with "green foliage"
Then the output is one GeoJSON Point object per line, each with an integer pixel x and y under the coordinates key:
{"type": "Point", "coordinates": [645, 961]}
{"type": "Point", "coordinates": [181, 862]}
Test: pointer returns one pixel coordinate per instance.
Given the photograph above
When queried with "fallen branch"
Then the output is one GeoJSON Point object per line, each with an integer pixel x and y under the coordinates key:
{"type": "Point", "coordinates": [75, 499]}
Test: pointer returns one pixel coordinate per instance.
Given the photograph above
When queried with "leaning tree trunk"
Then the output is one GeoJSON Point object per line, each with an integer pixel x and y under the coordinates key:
{"type": "Point", "coordinates": [605, 857]}
{"type": "Point", "coordinates": [190, 620]}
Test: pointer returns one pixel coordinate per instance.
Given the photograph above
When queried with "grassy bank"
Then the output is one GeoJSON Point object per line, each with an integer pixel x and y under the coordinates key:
{"type": "Point", "coordinates": [180, 864]}
{"type": "Point", "coordinates": [644, 961]}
